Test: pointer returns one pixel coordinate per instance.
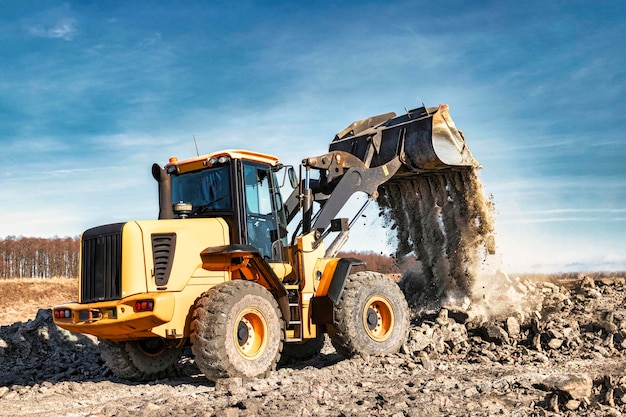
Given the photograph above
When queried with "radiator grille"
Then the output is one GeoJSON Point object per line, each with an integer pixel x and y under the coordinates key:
{"type": "Point", "coordinates": [101, 263]}
{"type": "Point", "coordinates": [163, 247]}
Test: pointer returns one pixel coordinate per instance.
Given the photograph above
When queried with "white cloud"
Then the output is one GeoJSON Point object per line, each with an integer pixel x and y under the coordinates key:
{"type": "Point", "coordinates": [64, 28]}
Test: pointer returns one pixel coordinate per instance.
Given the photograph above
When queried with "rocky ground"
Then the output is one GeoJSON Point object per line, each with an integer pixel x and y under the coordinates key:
{"type": "Point", "coordinates": [520, 348]}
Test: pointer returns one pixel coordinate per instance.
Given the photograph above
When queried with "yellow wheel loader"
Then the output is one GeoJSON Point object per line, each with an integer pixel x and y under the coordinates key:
{"type": "Point", "coordinates": [219, 271]}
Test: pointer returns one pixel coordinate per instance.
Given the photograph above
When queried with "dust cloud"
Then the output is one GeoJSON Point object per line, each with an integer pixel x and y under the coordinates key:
{"type": "Point", "coordinates": [446, 221]}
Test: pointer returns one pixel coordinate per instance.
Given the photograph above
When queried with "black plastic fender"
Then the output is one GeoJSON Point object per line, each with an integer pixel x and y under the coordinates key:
{"type": "Point", "coordinates": [339, 277]}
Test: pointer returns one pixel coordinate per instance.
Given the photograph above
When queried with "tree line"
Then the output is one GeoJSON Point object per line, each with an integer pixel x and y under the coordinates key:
{"type": "Point", "coordinates": [34, 257]}
{"type": "Point", "coordinates": [381, 263]}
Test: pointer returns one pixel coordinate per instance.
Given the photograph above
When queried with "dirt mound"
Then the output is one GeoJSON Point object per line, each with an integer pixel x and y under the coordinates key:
{"type": "Point", "coordinates": [557, 326]}
{"type": "Point", "coordinates": [38, 351]}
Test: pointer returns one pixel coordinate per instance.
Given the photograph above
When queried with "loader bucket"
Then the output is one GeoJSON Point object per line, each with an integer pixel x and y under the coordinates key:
{"type": "Point", "coordinates": [424, 139]}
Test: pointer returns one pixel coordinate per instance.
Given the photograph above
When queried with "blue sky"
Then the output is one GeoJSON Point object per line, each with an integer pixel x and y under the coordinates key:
{"type": "Point", "coordinates": [93, 92]}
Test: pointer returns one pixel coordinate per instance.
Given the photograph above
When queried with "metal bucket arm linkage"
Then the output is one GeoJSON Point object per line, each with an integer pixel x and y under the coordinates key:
{"type": "Point", "coordinates": [342, 175]}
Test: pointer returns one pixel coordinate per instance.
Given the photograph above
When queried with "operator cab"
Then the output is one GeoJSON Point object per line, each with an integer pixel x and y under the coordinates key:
{"type": "Point", "coordinates": [239, 186]}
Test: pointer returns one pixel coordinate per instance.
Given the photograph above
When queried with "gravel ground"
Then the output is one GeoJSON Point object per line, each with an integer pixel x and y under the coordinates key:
{"type": "Point", "coordinates": [548, 349]}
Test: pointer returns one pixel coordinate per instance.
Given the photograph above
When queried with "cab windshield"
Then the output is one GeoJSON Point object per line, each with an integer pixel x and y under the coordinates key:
{"type": "Point", "coordinates": [207, 190]}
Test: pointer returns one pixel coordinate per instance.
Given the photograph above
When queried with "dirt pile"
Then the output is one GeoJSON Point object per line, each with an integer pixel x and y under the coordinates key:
{"type": "Point", "coordinates": [446, 221]}
{"type": "Point", "coordinates": [566, 356]}
{"type": "Point", "coordinates": [586, 323]}
{"type": "Point", "coordinates": [39, 350]}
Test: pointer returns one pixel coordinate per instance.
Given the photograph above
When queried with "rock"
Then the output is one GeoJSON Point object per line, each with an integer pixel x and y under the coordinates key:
{"type": "Point", "coordinates": [572, 405]}
{"type": "Point", "coordinates": [442, 318]}
{"type": "Point", "coordinates": [554, 333]}
{"type": "Point", "coordinates": [587, 282]}
{"type": "Point", "coordinates": [149, 408]}
{"type": "Point", "coordinates": [577, 386]}
{"type": "Point", "coordinates": [555, 343]}
{"type": "Point", "coordinates": [550, 287]}
{"type": "Point", "coordinates": [419, 339]}
{"type": "Point", "coordinates": [427, 363]}
{"type": "Point", "coordinates": [228, 412]}
{"type": "Point", "coordinates": [10, 395]}
{"type": "Point", "coordinates": [228, 384]}
{"type": "Point", "coordinates": [608, 326]}
{"type": "Point", "coordinates": [457, 314]}
{"type": "Point", "coordinates": [592, 293]}
{"type": "Point", "coordinates": [494, 333]}
{"type": "Point", "coordinates": [455, 335]}
{"type": "Point", "coordinates": [602, 351]}
{"type": "Point", "coordinates": [512, 327]}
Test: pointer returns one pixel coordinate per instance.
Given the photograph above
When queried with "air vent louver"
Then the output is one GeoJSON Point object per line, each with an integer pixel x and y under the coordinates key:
{"type": "Point", "coordinates": [163, 248]}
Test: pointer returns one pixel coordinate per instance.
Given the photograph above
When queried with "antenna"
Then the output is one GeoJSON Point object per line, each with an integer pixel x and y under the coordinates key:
{"type": "Point", "coordinates": [196, 143]}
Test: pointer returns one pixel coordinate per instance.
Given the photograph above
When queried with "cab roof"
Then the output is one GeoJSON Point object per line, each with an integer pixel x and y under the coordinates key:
{"type": "Point", "coordinates": [200, 162]}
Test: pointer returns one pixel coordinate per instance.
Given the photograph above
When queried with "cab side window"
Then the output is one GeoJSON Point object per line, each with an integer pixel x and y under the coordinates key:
{"type": "Point", "coordinates": [260, 217]}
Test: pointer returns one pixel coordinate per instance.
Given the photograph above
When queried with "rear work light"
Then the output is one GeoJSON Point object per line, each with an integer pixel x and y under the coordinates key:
{"type": "Point", "coordinates": [144, 305]}
{"type": "Point", "coordinates": [62, 314]}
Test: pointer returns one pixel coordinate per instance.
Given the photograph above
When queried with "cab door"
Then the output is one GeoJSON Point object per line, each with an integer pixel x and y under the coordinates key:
{"type": "Point", "coordinates": [262, 221]}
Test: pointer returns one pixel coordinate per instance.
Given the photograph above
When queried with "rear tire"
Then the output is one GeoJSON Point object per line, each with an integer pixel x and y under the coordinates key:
{"type": "Point", "coordinates": [236, 331]}
{"type": "Point", "coordinates": [371, 317]}
{"type": "Point", "coordinates": [142, 360]}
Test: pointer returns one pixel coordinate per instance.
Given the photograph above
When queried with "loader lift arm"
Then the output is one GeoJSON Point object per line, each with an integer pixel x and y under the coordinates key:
{"type": "Point", "coordinates": [341, 176]}
{"type": "Point", "coordinates": [334, 189]}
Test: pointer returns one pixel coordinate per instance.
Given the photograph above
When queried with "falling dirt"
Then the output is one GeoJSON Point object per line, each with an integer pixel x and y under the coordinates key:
{"type": "Point", "coordinates": [446, 221]}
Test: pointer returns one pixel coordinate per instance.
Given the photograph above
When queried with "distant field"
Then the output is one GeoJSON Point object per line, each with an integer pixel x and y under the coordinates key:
{"type": "Point", "coordinates": [21, 298]}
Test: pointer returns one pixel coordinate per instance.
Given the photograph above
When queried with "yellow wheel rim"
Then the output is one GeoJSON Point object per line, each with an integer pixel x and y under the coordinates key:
{"type": "Point", "coordinates": [250, 333]}
{"type": "Point", "coordinates": [378, 318]}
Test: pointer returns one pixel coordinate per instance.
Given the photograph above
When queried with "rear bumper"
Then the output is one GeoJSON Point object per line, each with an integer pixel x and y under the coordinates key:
{"type": "Point", "coordinates": [118, 319]}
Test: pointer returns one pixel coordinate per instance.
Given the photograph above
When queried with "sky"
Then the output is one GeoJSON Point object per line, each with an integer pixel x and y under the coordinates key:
{"type": "Point", "coordinates": [93, 92]}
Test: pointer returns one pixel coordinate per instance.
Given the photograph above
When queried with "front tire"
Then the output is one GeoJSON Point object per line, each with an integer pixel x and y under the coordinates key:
{"type": "Point", "coordinates": [236, 331]}
{"type": "Point", "coordinates": [141, 360]}
{"type": "Point", "coordinates": [371, 317]}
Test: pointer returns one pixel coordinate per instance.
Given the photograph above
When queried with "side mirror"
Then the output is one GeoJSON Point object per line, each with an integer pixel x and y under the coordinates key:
{"type": "Point", "coordinates": [293, 179]}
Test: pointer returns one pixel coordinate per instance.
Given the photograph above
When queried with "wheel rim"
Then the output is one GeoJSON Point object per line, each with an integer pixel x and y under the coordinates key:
{"type": "Point", "coordinates": [250, 333]}
{"type": "Point", "coordinates": [378, 318]}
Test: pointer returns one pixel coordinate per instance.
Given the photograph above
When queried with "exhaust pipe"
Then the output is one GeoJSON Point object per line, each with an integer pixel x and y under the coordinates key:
{"type": "Point", "coordinates": [165, 192]}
